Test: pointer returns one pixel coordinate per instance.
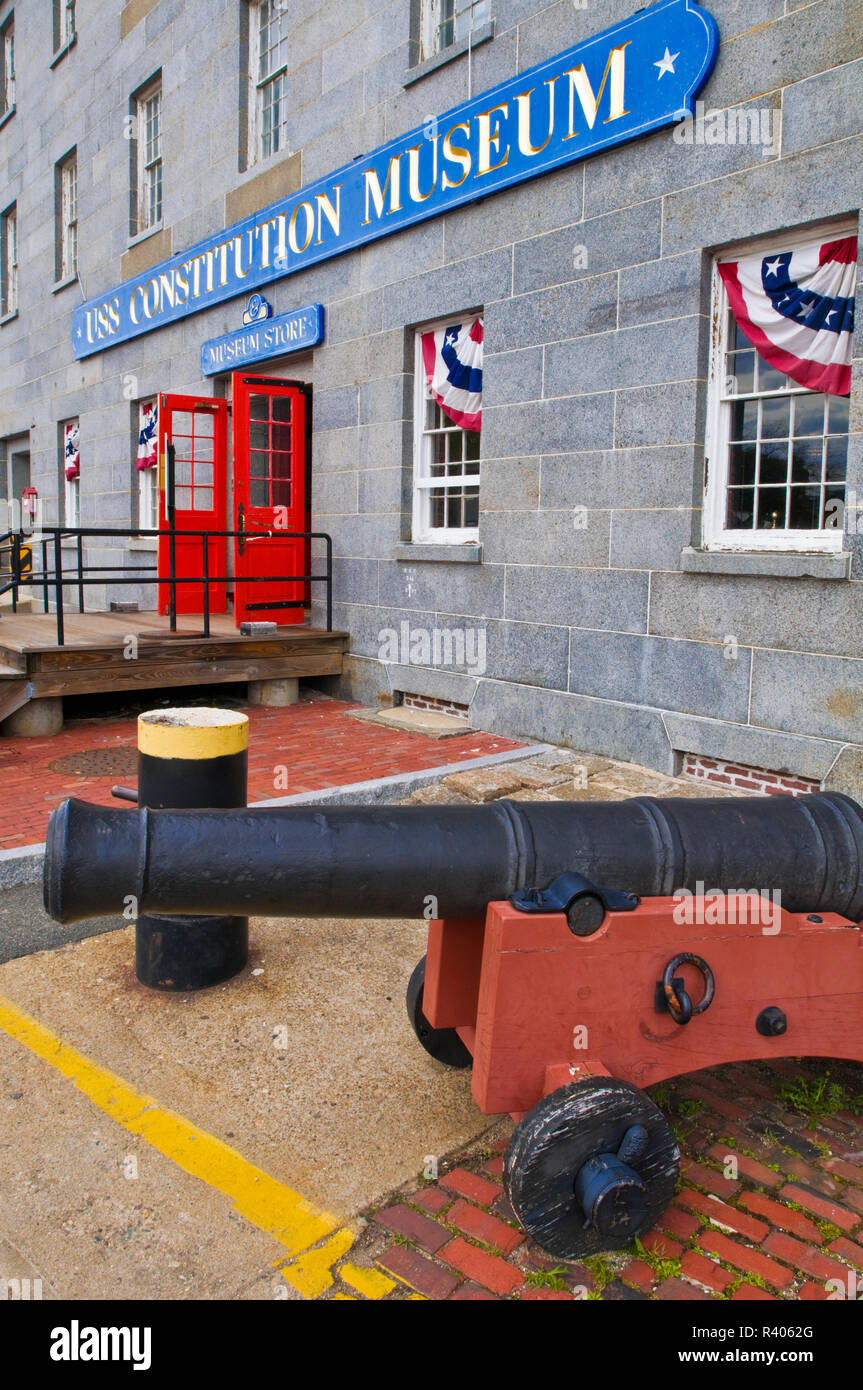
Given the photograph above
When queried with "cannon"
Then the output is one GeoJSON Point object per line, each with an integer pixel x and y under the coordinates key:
{"type": "Point", "coordinates": [577, 953]}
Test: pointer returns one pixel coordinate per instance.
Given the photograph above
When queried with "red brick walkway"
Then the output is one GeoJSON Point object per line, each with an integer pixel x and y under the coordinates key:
{"type": "Point", "coordinates": [767, 1208]}
{"type": "Point", "coordinates": [302, 748]}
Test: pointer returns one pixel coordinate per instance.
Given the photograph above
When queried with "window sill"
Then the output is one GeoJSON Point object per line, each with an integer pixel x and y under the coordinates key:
{"type": "Point", "coordinates": [61, 52]}
{"type": "Point", "coordinates": [147, 543]}
{"type": "Point", "coordinates": [781, 565]}
{"type": "Point", "coordinates": [7, 318]}
{"type": "Point", "coordinates": [7, 116]}
{"type": "Point", "coordinates": [469, 553]}
{"type": "Point", "coordinates": [64, 284]}
{"type": "Point", "coordinates": [446, 55]}
{"type": "Point", "coordinates": [142, 236]}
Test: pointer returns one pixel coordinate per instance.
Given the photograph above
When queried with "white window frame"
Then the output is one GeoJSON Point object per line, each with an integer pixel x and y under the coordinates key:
{"type": "Point", "coordinates": [72, 503]}
{"type": "Point", "coordinates": [65, 23]}
{"type": "Point", "coordinates": [148, 485]}
{"type": "Point", "coordinates": [716, 536]}
{"type": "Point", "coordinates": [436, 14]}
{"type": "Point", "coordinates": [422, 532]}
{"type": "Point", "coordinates": [71, 486]}
{"type": "Point", "coordinates": [9, 269]}
{"type": "Point", "coordinates": [7, 66]}
{"type": "Point", "coordinates": [69, 217]}
{"type": "Point", "coordinates": [259, 84]}
{"type": "Point", "coordinates": [150, 162]}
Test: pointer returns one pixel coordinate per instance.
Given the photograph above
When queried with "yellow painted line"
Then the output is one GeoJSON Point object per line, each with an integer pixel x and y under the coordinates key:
{"type": "Point", "coordinates": [312, 1274]}
{"type": "Point", "coordinates": [369, 1282]}
{"type": "Point", "coordinates": [269, 1205]}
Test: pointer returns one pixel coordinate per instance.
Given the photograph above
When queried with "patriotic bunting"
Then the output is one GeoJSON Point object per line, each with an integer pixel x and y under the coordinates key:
{"type": "Point", "coordinates": [147, 438]}
{"type": "Point", "coordinates": [452, 358]}
{"type": "Point", "coordinates": [71, 450]}
{"type": "Point", "coordinates": [797, 309]}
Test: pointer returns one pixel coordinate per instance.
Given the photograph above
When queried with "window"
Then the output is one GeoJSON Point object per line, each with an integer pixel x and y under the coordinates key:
{"type": "Point", "coordinates": [446, 455]}
{"type": "Point", "coordinates": [9, 262]}
{"type": "Point", "coordinates": [71, 464]}
{"type": "Point", "coordinates": [268, 56]}
{"type": "Point", "coordinates": [66, 184]}
{"type": "Point", "coordinates": [147, 154]}
{"type": "Point", "coordinates": [64, 24]}
{"type": "Point", "coordinates": [146, 466]}
{"type": "Point", "coordinates": [7, 67]}
{"type": "Point", "coordinates": [776, 449]}
{"type": "Point", "coordinates": [447, 22]}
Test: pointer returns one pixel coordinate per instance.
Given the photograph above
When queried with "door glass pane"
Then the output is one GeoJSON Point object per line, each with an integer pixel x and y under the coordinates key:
{"type": "Point", "coordinates": [259, 436]}
{"type": "Point", "coordinates": [203, 473]}
{"type": "Point", "coordinates": [183, 499]}
{"type": "Point", "coordinates": [182, 471]}
{"type": "Point", "coordinates": [281, 438]}
{"type": "Point", "coordinates": [203, 499]}
{"type": "Point", "coordinates": [182, 446]}
{"type": "Point", "coordinates": [182, 422]}
{"type": "Point", "coordinates": [205, 424]}
{"type": "Point", "coordinates": [259, 492]}
{"type": "Point", "coordinates": [259, 465]}
{"type": "Point", "coordinates": [203, 448]}
{"type": "Point", "coordinates": [281, 408]}
{"type": "Point", "coordinates": [259, 408]}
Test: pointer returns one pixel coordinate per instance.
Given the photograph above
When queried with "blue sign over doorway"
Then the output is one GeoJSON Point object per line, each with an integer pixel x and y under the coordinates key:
{"type": "Point", "coordinates": [262, 338]}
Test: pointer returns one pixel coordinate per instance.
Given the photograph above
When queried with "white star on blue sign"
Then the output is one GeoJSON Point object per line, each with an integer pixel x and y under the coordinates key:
{"type": "Point", "coordinates": [666, 63]}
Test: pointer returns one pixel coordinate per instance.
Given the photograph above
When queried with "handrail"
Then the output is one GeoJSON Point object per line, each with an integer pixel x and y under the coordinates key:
{"type": "Point", "coordinates": [53, 577]}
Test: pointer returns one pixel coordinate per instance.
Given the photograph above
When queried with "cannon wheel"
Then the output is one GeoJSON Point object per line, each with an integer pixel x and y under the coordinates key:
{"type": "Point", "coordinates": [444, 1044]}
{"type": "Point", "coordinates": [554, 1141]}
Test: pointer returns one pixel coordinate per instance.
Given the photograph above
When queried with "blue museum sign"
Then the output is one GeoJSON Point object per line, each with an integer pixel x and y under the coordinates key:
{"type": "Point", "coordinates": [262, 337]}
{"type": "Point", "coordinates": [640, 76]}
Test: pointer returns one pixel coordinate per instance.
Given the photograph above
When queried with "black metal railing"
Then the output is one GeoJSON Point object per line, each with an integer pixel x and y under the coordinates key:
{"type": "Point", "coordinates": [52, 578]}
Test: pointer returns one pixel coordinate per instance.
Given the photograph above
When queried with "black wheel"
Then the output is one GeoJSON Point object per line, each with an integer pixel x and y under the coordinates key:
{"type": "Point", "coordinates": [444, 1044]}
{"type": "Point", "coordinates": [590, 1167]}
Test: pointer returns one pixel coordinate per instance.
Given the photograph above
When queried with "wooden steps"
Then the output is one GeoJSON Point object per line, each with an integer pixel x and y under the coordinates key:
{"type": "Point", "coordinates": [135, 651]}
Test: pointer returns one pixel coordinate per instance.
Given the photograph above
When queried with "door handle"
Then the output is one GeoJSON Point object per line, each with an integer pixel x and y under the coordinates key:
{"type": "Point", "coordinates": [241, 527]}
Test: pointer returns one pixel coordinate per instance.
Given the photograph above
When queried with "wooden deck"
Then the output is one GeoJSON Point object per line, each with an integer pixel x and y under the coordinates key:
{"type": "Point", "coordinates": [98, 656]}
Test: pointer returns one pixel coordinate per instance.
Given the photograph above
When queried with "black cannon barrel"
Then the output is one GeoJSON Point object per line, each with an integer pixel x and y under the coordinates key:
{"type": "Point", "coordinates": [365, 861]}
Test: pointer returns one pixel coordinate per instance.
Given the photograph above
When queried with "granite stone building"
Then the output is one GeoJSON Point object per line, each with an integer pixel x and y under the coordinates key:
{"type": "Point", "coordinates": [652, 548]}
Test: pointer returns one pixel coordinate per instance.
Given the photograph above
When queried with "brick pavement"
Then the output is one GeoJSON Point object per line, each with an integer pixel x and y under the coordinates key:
{"type": "Point", "coordinates": [300, 748]}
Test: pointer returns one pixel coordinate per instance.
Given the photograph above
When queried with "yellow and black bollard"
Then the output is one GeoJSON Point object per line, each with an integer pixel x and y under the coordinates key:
{"type": "Point", "coordinates": [191, 759]}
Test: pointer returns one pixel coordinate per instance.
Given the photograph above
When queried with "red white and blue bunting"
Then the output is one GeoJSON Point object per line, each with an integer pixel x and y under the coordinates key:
{"type": "Point", "coordinates": [71, 450]}
{"type": "Point", "coordinates": [452, 358]}
{"type": "Point", "coordinates": [797, 309]}
{"type": "Point", "coordinates": [147, 438]}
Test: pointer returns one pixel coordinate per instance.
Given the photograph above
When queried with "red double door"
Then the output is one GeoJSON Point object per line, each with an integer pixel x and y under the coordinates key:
{"type": "Point", "coordinates": [269, 447]}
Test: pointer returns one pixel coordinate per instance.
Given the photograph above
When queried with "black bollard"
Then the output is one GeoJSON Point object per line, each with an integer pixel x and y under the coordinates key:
{"type": "Point", "coordinates": [191, 758]}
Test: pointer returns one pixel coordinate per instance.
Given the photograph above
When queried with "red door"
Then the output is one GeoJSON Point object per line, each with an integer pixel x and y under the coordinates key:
{"type": "Point", "coordinates": [269, 424]}
{"type": "Point", "coordinates": [194, 432]}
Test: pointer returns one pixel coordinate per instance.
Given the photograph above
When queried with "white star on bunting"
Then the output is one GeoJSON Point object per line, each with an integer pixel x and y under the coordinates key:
{"type": "Point", "coordinates": [773, 267]}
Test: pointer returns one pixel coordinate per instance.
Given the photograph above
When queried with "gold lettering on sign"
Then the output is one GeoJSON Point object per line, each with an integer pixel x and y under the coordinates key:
{"type": "Point", "coordinates": [378, 194]}
{"type": "Point", "coordinates": [293, 240]}
{"type": "Point", "coordinates": [580, 84]}
{"type": "Point", "coordinates": [456, 154]}
{"type": "Point", "coordinates": [332, 214]}
{"type": "Point", "coordinates": [489, 140]}
{"type": "Point", "coordinates": [524, 104]}
{"type": "Point", "coordinates": [414, 171]}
